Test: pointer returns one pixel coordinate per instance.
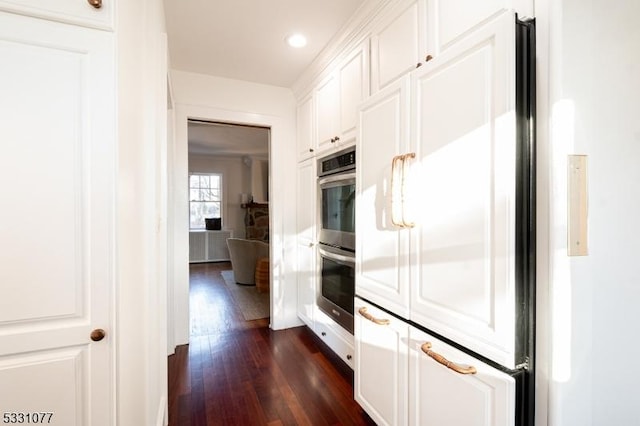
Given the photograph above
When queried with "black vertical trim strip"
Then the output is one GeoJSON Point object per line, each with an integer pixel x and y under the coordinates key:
{"type": "Point", "coordinates": [525, 217]}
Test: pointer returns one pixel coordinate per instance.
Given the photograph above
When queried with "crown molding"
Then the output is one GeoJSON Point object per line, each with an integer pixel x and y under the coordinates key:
{"type": "Point", "coordinates": [354, 32]}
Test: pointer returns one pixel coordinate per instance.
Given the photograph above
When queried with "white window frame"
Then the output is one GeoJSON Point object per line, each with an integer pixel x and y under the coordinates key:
{"type": "Point", "coordinates": [221, 202]}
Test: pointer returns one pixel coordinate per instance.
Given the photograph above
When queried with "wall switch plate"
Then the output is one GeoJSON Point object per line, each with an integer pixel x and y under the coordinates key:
{"type": "Point", "coordinates": [577, 241]}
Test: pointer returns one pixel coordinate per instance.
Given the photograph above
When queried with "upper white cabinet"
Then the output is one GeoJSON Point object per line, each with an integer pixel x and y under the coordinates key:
{"type": "Point", "coordinates": [90, 13]}
{"type": "Point", "coordinates": [353, 73]}
{"type": "Point", "coordinates": [337, 98]}
{"type": "Point", "coordinates": [327, 111]}
{"type": "Point", "coordinates": [382, 250]}
{"type": "Point", "coordinates": [399, 42]}
{"type": "Point", "coordinates": [305, 140]}
{"type": "Point", "coordinates": [456, 18]}
{"type": "Point", "coordinates": [464, 242]}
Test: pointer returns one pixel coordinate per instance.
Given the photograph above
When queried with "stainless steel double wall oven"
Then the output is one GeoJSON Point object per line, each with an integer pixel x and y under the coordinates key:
{"type": "Point", "coordinates": [337, 193]}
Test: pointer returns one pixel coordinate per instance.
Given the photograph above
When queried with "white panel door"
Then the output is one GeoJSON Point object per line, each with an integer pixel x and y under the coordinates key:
{"type": "Point", "coordinates": [327, 112]}
{"type": "Point", "coordinates": [442, 396]}
{"type": "Point", "coordinates": [398, 43]}
{"type": "Point", "coordinates": [381, 365]}
{"type": "Point", "coordinates": [304, 131]}
{"type": "Point", "coordinates": [306, 253]}
{"type": "Point", "coordinates": [354, 88]}
{"type": "Point", "coordinates": [57, 166]}
{"type": "Point", "coordinates": [464, 243]}
{"type": "Point", "coordinates": [382, 249]}
{"type": "Point", "coordinates": [458, 17]}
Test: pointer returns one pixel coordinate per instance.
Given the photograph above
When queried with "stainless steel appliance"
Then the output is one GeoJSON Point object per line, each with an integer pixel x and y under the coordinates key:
{"type": "Point", "coordinates": [337, 285]}
{"type": "Point", "coordinates": [336, 191]}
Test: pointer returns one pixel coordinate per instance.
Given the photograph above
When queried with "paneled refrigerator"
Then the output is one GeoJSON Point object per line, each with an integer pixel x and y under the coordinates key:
{"type": "Point", "coordinates": [445, 268]}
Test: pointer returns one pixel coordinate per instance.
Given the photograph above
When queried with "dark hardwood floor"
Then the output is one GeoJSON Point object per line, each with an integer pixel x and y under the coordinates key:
{"type": "Point", "coordinates": [237, 372]}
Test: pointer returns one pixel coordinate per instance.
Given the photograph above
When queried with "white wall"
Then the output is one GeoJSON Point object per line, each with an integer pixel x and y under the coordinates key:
{"type": "Point", "coordinates": [211, 98]}
{"type": "Point", "coordinates": [593, 105]}
{"type": "Point", "coordinates": [235, 181]}
{"type": "Point", "coordinates": [141, 305]}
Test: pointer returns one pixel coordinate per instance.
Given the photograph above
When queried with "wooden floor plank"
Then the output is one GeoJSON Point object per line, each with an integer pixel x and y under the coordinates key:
{"type": "Point", "coordinates": [237, 372]}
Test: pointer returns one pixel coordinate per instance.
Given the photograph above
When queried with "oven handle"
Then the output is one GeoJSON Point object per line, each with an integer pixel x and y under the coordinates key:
{"type": "Point", "coordinates": [337, 178]}
{"type": "Point", "coordinates": [341, 258]}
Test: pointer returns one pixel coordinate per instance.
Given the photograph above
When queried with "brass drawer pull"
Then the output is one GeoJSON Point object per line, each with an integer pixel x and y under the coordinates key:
{"type": "Point", "coordinates": [462, 369]}
{"type": "Point", "coordinates": [363, 311]}
{"type": "Point", "coordinates": [95, 3]}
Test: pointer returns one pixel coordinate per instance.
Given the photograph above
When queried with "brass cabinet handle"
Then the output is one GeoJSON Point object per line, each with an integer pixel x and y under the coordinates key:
{"type": "Point", "coordinates": [428, 58]}
{"type": "Point", "coordinates": [398, 189]}
{"type": "Point", "coordinates": [462, 369]}
{"type": "Point", "coordinates": [95, 3]}
{"type": "Point", "coordinates": [363, 311]}
{"type": "Point", "coordinates": [97, 334]}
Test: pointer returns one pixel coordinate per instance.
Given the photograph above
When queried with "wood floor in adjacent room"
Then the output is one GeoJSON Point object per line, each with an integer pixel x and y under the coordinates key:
{"type": "Point", "coordinates": [237, 372]}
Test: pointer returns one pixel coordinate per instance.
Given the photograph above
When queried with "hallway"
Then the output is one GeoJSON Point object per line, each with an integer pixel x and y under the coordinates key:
{"type": "Point", "coordinates": [237, 372]}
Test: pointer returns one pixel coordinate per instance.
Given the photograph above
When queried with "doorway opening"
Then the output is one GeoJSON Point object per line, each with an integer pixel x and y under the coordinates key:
{"type": "Point", "coordinates": [229, 215]}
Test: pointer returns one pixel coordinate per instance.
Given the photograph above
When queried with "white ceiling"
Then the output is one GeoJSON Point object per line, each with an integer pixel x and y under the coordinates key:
{"type": "Point", "coordinates": [245, 40]}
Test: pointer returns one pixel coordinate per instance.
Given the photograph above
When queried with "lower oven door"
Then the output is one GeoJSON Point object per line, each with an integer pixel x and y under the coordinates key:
{"type": "Point", "coordinates": [337, 285]}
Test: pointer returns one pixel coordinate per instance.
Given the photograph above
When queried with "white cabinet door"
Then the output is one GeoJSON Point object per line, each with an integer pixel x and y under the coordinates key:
{"type": "Point", "coordinates": [57, 178]}
{"type": "Point", "coordinates": [464, 244]}
{"type": "Point", "coordinates": [353, 73]}
{"type": "Point", "coordinates": [398, 43]}
{"type": "Point", "coordinates": [442, 396]}
{"type": "Point", "coordinates": [382, 249]}
{"type": "Point", "coordinates": [306, 253]}
{"type": "Point", "coordinates": [327, 111]}
{"type": "Point", "coordinates": [381, 364]}
{"type": "Point", "coordinates": [452, 24]}
{"type": "Point", "coordinates": [305, 140]}
{"type": "Point", "coordinates": [79, 12]}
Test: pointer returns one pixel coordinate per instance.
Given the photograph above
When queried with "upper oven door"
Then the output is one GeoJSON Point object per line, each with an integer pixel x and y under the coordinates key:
{"type": "Point", "coordinates": [338, 210]}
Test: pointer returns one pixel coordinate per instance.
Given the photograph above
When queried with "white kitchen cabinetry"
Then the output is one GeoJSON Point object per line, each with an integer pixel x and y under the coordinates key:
{"type": "Point", "coordinates": [406, 376]}
{"type": "Point", "coordinates": [337, 338]}
{"type": "Point", "coordinates": [305, 140]}
{"type": "Point", "coordinates": [456, 18]}
{"type": "Point", "coordinates": [78, 12]}
{"type": "Point", "coordinates": [337, 97]}
{"type": "Point", "coordinates": [305, 241]}
{"type": "Point", "coordinates": [208, 246]}
{"type": "Point", "coordinates": [382, 249]}
{"type": "Point", "coordinates": [327, 111]}
{"type": "Point", "coordinates": [464, 244]}
{"type": "Point", "coordinates": [399, 42]}
{"type": "Point", "coordinates": [440, 395]}
{"type": "Point", "coordinates": [381, 364]}
{"type": "Point", "coordinates": [461, 267]}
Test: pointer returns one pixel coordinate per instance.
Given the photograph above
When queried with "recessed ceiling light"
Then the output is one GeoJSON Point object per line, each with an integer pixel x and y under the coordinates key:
{"type": "Point", "coordinates": [296, 40]}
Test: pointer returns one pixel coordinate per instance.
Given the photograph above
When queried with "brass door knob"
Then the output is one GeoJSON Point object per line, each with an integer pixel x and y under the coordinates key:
{"type": "Point", "coordinates": [98, 334]}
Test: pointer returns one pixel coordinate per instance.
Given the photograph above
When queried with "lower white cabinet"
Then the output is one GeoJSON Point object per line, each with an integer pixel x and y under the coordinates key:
{"type": "Point", "coordinates": [381, 364]}
{"type": "Point", "coordinates": [404, 376]}
{"type": "Point", "coordinates": [337, 338]}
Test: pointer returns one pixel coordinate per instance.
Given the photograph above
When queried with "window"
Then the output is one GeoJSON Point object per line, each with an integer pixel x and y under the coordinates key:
{"type": "Point", "coordinates": [205, 198]}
